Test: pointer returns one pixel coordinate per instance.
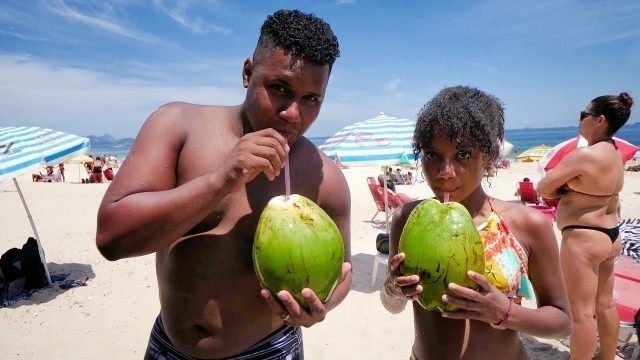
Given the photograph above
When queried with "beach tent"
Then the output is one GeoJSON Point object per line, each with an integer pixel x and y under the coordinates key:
{"type": "Point", "coordinates": [380, 141]}
{"type": "Point", "coordinates": [533, 154]}
{"type": "Point", "coordinates": [80, 161]}
{"type": "Point", "coordinates": [24, 149]}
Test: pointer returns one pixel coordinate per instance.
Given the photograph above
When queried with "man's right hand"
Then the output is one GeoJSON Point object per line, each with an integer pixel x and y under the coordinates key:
{"type": "Point", "coordinates": [258, 152]}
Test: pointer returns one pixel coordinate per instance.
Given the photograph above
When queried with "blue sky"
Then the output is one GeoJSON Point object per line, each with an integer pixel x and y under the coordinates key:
{"type": "Point", "coordinates": [96, 67]}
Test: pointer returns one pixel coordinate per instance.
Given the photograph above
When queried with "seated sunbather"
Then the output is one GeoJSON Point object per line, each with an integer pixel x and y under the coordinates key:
{"type": "Point", "coordinates": [403, 197]}
{"type": "Point", "coordinates": [517, 193]}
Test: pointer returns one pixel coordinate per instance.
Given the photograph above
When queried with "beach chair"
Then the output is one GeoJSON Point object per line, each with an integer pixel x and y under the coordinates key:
{"type": "Point", "coordinates": [627, 298]}
{"type": "Point", "coordinates": [380, 258]}
{"type": "Point", "coordinates": [373, 188]}
{"type": "Point", "coordinates": [547, 210]}
{"type": "Point", "coordinates": [551, 202]}
{"type": "Point", "coordinates": [400, 178]}
{"type": "Point", "coordinates": [378, 197]}
{"type": "Point", "coordinates": [527, 192]}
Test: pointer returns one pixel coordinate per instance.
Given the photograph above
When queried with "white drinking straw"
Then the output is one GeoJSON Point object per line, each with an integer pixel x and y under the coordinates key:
{"type": "Point", "coordinates": [287, 181]}
{"type": "Point", "coordinates": [446, 196]}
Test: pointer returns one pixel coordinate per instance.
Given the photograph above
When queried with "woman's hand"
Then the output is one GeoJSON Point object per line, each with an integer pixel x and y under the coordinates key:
{"type": "Point", "coordinates": [487, 304]}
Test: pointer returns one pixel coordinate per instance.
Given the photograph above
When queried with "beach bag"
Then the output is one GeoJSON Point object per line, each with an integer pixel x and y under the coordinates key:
{"type": "Point", "coordinates": [382, 243]}
{"type": "Point", "coordinates": [11, 278]}
{"type": "Point", "coordinates": [108, 173]}
{"type": "Point", "coordinates": [32, 267]}
{"type": "Point", "coordinates": [21, 270]}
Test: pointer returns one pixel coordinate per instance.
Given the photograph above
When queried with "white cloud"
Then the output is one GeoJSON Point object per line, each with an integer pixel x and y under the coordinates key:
{"type": "Point", "coordinates": [573, 23]}
{"type": "Point", "coordinates": [393, 85]}
{"type": "Point", "coordinates": [88, 102]}
{"type": "Point", "coordinates": [180, 13]}
{"type": "Point", "coordinates": [23, 36]}
{"type": "Point", "coordinates": [340, 2]}
{"type": "Point", "coordinates": [61, 8]}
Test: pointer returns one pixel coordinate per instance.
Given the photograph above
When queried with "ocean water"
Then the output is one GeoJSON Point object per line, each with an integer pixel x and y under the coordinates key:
{"type": "Point", "coordinates": [521, 139]}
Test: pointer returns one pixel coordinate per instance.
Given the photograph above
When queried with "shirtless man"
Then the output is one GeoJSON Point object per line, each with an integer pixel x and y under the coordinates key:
{"type": "Point", "coordinates": [195, 183]}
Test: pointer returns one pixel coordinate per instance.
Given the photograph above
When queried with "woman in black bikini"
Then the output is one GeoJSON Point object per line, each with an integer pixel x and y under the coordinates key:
{"type": "Point", "coordinates": [588, 181]}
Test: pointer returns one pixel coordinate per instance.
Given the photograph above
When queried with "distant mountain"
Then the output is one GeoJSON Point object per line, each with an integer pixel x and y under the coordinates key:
{"type": "Point", "coordinates": [107, 140]}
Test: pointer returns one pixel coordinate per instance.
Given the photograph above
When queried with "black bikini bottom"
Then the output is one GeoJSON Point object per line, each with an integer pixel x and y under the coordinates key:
{"type": "Point", "coordinates": [612, 233]}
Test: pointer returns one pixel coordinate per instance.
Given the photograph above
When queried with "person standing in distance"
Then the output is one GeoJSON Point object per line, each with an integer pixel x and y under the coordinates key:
{"type": "Point", "coordinates": [194, 185]}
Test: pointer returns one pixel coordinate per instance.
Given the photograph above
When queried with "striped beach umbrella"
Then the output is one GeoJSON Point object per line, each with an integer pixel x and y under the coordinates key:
{"type": "Point", "coordinates": [380, 141]}
{"type": "Point", "coordinates": [24, 149]}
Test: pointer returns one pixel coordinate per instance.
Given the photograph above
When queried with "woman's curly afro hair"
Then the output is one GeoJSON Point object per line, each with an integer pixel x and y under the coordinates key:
{"type": "Point", "coordinates": [464, 115]}
{"type": "Point", "coordinates": [302, 35]}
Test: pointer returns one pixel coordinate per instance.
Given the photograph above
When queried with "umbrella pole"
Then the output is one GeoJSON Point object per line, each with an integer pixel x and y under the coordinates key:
{"type": "Point", "coordinates": [35, 232]}
{"type": "Point", "coordinates": [386, 201]}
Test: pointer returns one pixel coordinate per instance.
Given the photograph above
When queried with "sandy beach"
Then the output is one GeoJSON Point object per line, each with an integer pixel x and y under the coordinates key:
{"type": "Point", "coordinates": [112, 316]}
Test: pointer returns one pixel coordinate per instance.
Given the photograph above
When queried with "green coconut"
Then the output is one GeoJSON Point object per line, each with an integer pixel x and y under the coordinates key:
{"type": "Point", "coordinates": [296, 246]}
{"type": "Point", "coordinates": [441, 245]}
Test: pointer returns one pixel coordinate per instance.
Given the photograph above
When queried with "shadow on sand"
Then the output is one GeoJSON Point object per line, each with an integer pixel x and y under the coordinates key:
{"type": "Point", "coordinates": [540, 350]}
{"type": "Point", "coordinates": [43, 295]}
{"type": "Point", "coordinates": [362, 269]}
{"type": "Point", "coordinates": [377, 224]}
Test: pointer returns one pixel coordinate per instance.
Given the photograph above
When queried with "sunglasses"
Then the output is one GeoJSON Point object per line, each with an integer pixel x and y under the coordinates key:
{"type": "Point", "coordinates": [584, 114]}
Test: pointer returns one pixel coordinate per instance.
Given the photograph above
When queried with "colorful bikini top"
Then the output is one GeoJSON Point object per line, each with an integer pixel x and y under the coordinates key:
{"type": "Point", "coordinates": [566, 187]}
{"type": "Point", "coordinates": [506, 262]}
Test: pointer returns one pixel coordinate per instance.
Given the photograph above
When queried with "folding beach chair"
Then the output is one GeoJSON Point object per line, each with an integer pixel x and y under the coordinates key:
{"type": "Point", "coordinates": [400, 178]}
{"type": "Point", "coordinates": [551, 202]}
{"type": "Point", "coordinates": [378, 197]}
{"type": "Point", "coordinates": [627, 299]}
{"type": "Point", "coordinates": [379, 201]}
{"type": "Point", "coordinates": [547, 210]}
{"type": "Point", "coordinates": [527, 192]}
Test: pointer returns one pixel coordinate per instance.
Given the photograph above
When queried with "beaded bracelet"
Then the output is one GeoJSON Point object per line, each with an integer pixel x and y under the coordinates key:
{"type": "Point", "coordinates": [505, 317]}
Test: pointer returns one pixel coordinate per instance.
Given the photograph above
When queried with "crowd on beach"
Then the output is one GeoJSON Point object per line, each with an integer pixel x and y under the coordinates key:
{"type": "Point", "coordinates": [214, 168]}
{"type": "Point", "coordinates": [97, 169]}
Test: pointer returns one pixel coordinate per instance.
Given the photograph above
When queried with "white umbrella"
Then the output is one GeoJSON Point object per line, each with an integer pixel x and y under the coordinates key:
{"type": "Point", "coordinates": [25, 149]}
{"type": "Point", "coordinates": [80, 161]}
{"type": "Point", "coordinates": [505, 148]}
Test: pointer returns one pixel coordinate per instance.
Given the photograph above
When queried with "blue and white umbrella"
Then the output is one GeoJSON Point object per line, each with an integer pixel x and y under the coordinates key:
{"type": "Point", "coordinates": [381, 141]}
{"type": "Point", "coordinates": [24, 149]}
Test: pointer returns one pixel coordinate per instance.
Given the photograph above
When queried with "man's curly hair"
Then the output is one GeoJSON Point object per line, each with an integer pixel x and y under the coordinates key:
{"type": "Point", "coordinates": [299, 34]}
{"type": "Point", "coordinates": [464, 115]}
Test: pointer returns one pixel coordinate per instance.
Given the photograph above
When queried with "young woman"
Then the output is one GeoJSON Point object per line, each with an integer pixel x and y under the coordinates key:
{"type": "Point", "coordinates": [458, 133]}
{"type": "Point", "coordinates": [589, 180]}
